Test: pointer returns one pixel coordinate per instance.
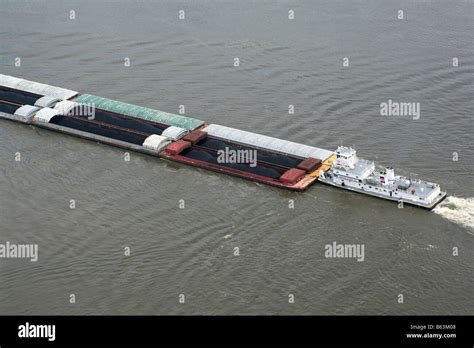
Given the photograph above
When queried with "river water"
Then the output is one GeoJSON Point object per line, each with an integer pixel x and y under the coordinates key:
{"type": "Point", "coordinates": [281, 251]}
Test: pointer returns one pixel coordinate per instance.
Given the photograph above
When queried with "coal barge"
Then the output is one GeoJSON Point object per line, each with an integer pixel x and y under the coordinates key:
{"type": "Point", "coordinates": [173, 137]}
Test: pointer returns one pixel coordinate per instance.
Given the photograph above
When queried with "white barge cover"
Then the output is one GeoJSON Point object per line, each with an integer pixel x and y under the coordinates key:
{"type": "Point", "coordinates": [156, 142]}
{"type": "Point", "coordinates": [36, 88]}
{"type": "Point", "coordinates": [46, 114]}
{"type": "Point", "coordinates": [174, 133]}
{"type": "Point", "coordinates": [26, 111]}
{"type": "Point", "coordinates": [267, 143]}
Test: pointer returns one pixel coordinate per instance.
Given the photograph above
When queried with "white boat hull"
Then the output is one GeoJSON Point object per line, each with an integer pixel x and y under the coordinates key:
{"type": "Point", "coordinates": [424, 205]}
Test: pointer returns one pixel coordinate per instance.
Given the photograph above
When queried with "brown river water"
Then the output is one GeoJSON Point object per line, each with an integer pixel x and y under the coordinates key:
{"type": "Point", "coordinates": [281, 251]}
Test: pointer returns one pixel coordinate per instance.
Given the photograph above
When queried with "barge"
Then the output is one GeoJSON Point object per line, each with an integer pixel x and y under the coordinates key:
{"type": "Point", "coordinates": [282, 169]}
{"type": "Point", "coordinates": [173, 137]}
{"type": "Point", "coordinates": [191, 141]}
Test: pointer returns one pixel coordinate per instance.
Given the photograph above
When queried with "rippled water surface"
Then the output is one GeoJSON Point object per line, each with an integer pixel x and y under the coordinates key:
{"type": "Point", "coordinates": [190, 251]}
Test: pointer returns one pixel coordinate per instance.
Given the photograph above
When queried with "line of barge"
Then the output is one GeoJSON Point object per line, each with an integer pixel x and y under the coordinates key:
{"type": "Point", "coordinates": [191, 141]}
{"type": "Point", "coordinates": [173, 137]}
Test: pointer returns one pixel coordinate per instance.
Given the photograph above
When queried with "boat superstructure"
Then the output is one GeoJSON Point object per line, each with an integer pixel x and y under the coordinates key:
{"type": "Point", "coordinates": [360, 175]}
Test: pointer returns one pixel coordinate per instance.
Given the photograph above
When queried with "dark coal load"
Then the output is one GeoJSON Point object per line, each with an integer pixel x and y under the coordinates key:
{"type": "Point", "coordinates": [258, 170]}
{"type": "Point", "coordinates": [8, 108]}
{"type": "Point", "coordinates": [127, 122]}
{"type": "Point", "coordinates": [91, 127]}
{"type": "Point", "coordinates": [207, 157]}
{"type": "Point", "coordinates": [265, 156]}
{"type": "Point", "coordinates": [17, 96]}
{"type": "Point", "coordinates": [200, 155]}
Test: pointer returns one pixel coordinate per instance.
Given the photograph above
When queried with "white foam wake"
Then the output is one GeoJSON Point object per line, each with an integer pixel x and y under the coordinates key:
{"type": "Point", "coordinates": [458, 210]}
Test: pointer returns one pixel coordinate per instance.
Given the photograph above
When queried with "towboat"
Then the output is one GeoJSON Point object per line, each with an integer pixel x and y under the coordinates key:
{"type": "Point", "coordinates": [356, 174]}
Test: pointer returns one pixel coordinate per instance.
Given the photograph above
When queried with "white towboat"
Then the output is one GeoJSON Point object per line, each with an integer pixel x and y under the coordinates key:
{"type": "Point", "coordinates": [359, 175]}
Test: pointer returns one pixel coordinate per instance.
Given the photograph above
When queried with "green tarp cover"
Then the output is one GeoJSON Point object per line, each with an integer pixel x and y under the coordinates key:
{"type": "Point", "coordinates": [140, 112]}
